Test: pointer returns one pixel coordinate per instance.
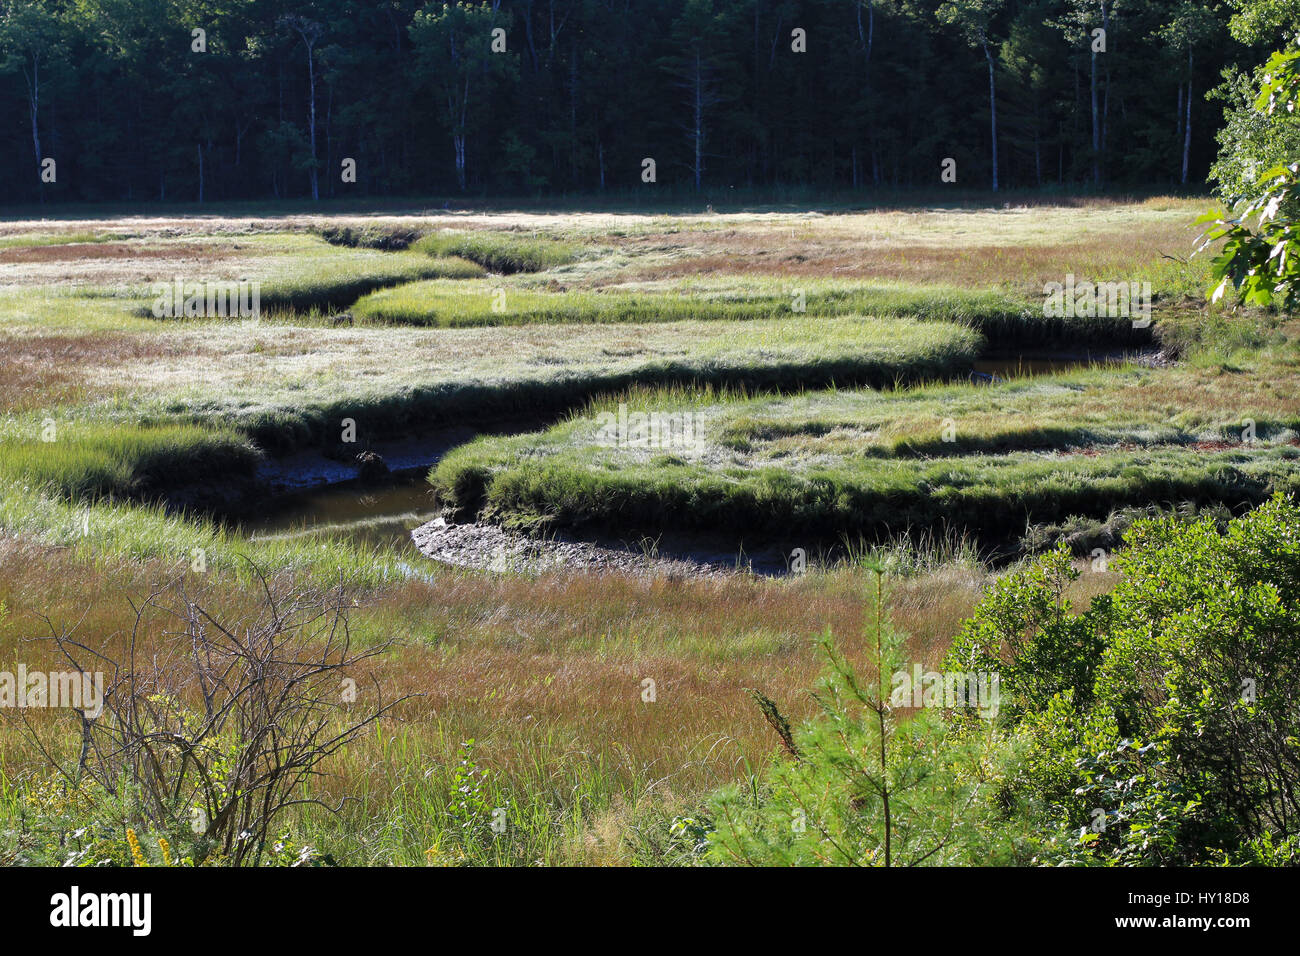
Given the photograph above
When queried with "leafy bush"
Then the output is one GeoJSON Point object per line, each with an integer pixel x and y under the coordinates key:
{"type": "Point", "coordinates": [1026, 631]}
{"type": "Point", "coordinates": [1262, 264]}
{"type": "Point", "coordinates": [1159, 727]}
{"type": "Point", "coordinates": [1156, 728]}
{"type": "Point", "coordinates": [1204, 656]}
{"type": "Point", "coordinates": [1251, 140]}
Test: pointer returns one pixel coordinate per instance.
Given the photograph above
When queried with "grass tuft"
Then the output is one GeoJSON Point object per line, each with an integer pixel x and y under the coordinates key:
{"type": "Point", "coordinates": [503, 252]}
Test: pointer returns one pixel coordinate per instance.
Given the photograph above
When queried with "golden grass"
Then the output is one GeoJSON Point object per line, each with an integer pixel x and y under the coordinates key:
{"type": "Point", "coordinates": [540, 671]}
{"type": "Point", "coordinates": [47, 371]}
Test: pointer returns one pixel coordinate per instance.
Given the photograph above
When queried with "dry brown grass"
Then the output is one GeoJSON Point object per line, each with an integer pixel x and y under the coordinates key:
{"type": "Point", "coordinates": [546, 669]}
{"type": "Point", "coordinates": [120, 263]}
{"type": "Point", "coordinates": [975, 265]}
{"type": "Point", "coordinates": [80, 251]}
{"type": "Point", "coordinates": [47, 371]}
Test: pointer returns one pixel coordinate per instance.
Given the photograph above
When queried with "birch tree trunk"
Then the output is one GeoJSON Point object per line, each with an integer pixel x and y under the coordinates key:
{"type": "Point", "coordinates": [33, 107]}
{"type": "Point", "coordinates": [993, 107]}
{"type": "Point", "coordinates": [1187, 123]}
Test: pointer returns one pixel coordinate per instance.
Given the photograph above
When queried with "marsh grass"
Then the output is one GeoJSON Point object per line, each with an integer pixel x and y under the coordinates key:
{"type": "Point", "coordinates": [34, 240]}
{"type": "Point", "coordinates": [1036, 448]}
{"type": "Point", "coordinates": [114, 529]}
{"type": "Point", "coordinates": [543, 671]}
{"type": "Point", "coordinates": [986, 495]}
{"type": "Point", "coordinates": [555, 375]}
{"type": "Point", "coordinates": [931, 551]}
{"type": "Point", "coordinates": [289, 387]}
{"type": "Point", "coordinates": [90, 460]}
{"type": "Point", "coordinates": [334, 286]}
{"type": "Point", "coordinates": [332, 290]}
{"type": "Point", "coordinates": [484, 303]}
{"type": "Point", "coordinates": [388, 238]}
{"type": "Point", "coordinates": [501, 252]}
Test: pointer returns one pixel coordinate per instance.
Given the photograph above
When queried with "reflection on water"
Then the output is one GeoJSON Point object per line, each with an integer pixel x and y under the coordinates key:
{"type": "Point", "coordinates": [369, 517]}
{"type": "Point", "coordinates": [1021, 366]}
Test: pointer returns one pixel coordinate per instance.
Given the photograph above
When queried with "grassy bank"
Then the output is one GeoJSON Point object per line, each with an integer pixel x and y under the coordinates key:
{"type": "Point", "coordinates": [91, 460]}
{"type": "Point", "coordinates": [493, 302]}
{"type": "Point", "coordinates": [118, 534]}
{"type": "Point", "coordinates": [288, 387]}
{"type": "Point", "coordinates": [986, 495]}
{"type": "Point", "coordinates": [1222, 427]}
{"type": "Point", "coordinates": [502, 252]}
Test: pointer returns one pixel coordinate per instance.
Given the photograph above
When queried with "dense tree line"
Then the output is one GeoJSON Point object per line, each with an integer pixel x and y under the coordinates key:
{"type": "Point", "coordinates": [134, 100]}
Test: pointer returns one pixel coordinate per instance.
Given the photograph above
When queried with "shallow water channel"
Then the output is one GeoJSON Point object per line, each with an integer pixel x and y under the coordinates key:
{"type": "Point", "coordinates": [369, 516]}
{"type": "Point", "coordinates": [320, 498]}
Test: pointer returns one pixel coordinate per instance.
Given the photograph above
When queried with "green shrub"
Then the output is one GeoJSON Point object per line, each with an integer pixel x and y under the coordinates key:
{"type": "Point", "coordinates": [1026, 630]}
{"type": "Point", "coordinates": [1159, 727]}
{"type": "Point", "coordinates": [1139, 811]}
{"type": "Point", "coordinates": [1204, 655]}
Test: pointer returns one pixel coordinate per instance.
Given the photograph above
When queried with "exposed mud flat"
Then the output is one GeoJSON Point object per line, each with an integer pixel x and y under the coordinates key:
{"type": "Point", "coordinates": [488, 547]}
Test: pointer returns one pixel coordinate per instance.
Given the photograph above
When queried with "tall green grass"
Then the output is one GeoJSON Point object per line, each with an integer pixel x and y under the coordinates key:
{"type": "Point", "coordinates": [484, 303]}
{"type": "Point", "coordinates": [503, 252]}
{"type": "Point", "coordinates": [104, 459]}
{"type": "Point", "coordinates": [108, 529]}
{"type": "Point", "coordinates": [428, 798]}
{"type": "Point", "coordinates": [994, 495]}
{"type": "Point", "coordinates": [30, 240]}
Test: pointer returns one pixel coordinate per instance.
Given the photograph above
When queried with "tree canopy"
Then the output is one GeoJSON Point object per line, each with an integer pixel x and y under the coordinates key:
{"type": "Point", "coordinates": [136, 100]}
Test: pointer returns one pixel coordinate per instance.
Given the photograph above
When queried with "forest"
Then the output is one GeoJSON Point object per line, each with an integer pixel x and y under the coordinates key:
{"type": "Point", "coordinates": [134, 101]}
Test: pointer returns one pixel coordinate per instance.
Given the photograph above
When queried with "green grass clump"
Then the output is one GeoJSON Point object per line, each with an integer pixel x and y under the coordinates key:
{"type": "Point", "coordinates": [388, 238]}
{"type": "Point", "coordinates": [104, 459]}
{"type": "Point", "coordinates": [335, 285]}
{"type": "Point", "coordinates": [484, 303]}
{"type": "Point", "coordinates": [98, 528]}
{"type": "Point", "coordinates": [569, 481]}
{"type": "Point", "coordinates": [462, 305]}
{"type": "Point", "coordinates": [503, 252]}
{"type": "Point", "coordinates": [31, 240]}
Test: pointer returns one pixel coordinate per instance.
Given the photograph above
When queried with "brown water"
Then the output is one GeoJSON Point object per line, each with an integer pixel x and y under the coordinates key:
{"type": "Point", "coordinates": [383, 517]}
{"type": "Point", "coordinates": [1021, 366]}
